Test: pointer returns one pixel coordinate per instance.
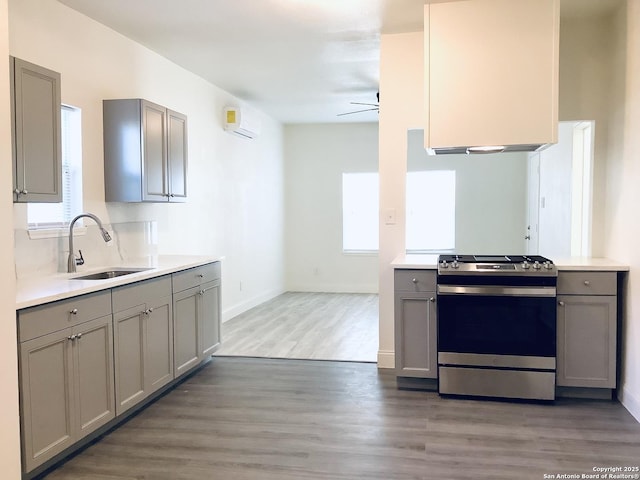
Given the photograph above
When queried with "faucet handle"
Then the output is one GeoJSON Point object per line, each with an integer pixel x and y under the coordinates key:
{"type": "Point", "coordinates": [80, 261]}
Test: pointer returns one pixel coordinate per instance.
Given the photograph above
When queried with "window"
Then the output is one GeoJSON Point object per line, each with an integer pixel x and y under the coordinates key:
{"type": "Point", "coordinates": [430, 205]}
{"type": "Point", "coordinates": [59, 215]}
{"type": "Point", "coordinates": [431, 211]}
{"type": "Point", "coordinates": [360, 212]}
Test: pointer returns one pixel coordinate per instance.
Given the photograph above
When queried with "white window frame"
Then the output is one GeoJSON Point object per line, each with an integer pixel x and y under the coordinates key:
{"type": "Point", "coordinates": [71, 126]}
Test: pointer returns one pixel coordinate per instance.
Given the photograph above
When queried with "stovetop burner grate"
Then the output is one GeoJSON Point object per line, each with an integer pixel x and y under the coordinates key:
{"type": "Point", "coordinates": [493, 258]}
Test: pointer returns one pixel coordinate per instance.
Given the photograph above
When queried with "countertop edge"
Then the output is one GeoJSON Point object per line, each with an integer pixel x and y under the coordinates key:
{"type": "Point", "coordinates": [31, 292]}
{"type": "Point", "coordinates": [585, 264]}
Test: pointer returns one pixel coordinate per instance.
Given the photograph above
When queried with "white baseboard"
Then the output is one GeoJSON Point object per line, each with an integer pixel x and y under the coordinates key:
{"type": "Point", "coordinates": [386, 359]}
{"type": "Point", "coordinates": [333, 288]}
{"type": "Point", "coordinates": [630, 402]}
{"type": "Point", "coordinates": [248, 304]}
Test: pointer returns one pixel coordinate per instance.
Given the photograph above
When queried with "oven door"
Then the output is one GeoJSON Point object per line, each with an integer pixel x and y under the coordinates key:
{"type": "Point", "coordinates": [497, 320]}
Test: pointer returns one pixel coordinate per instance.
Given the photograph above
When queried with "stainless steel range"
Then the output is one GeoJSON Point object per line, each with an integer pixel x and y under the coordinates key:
{"type": "Point", "coordinates": [497, 326]}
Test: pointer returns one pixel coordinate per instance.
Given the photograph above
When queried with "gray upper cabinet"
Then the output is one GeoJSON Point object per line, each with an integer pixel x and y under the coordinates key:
{"type": "Point", "coordinates": [145, 152]}
{"type": "Point", "coordinates": [36, 134]}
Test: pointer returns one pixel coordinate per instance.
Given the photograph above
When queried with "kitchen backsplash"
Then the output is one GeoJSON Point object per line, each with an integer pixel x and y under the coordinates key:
{"type": "Point", "coordinates": [47, 256]}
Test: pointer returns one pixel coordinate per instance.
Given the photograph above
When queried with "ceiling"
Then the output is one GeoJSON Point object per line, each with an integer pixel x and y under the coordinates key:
{"type": "Point", "coordinates": [300, 61]}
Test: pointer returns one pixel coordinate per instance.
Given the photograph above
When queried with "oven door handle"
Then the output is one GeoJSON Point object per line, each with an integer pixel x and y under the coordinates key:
{"type": "Point", "coordinates": [496, 291]}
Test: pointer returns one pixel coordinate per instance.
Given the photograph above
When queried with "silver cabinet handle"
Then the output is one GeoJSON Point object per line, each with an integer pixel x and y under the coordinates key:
{"type": "Point", "coordinates": [71, 337]}
{"type": "Point", "coordinates": [414, 280]}
{"type": "Point", "coordinates": [79, 336]}
{"type": "Point", "coordinates": [201, 275]}
{"type": "Point", "coordinates": [432, 299]}
{"type": "Point", "coordinates": [561, 303]}
{"type": "Point", "coordinates": [17, 191]}
{"type": "Point", "coordinates": [148, 311]}
{"type": "Point", "coordinates": [587, 283]}
{"type": "Point", "coordinates": [25, 191]}
{"type": "Point", "coordinates": [74, 311]}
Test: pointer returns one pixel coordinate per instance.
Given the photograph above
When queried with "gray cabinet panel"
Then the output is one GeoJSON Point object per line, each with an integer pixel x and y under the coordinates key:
{"type": "Point", "coordinates": [185, 330]}
{"type": "Point", "coordinates": [415, 335]}
{"type": "Point", "coordinates": [159, 345]}
{"type": "Point", "coordinates": [37, 153]}
{"type": "Point", "coordinates": [415, 328]}
{"type": "Point", "coordinates": [145, 154]}
{"type": "Point", "coordinates": [209, 316]}
{"type": "Point", "coordinates": [587, 283]}
{"type": "Point", "coordinates": [95, 392]}
{"type": "Point", "coordinates": [196, 276]}
{"type": "Point", "coordinates": [43, 319]}
{"type": "Point", "coordinates": [47, 397]}
{"type": "Point", "coordinates": [128, 296]}
{"type": "Point", "coordinates": [154, 119]}
{"type": "Point", "coordinates": [129, 357]}
{"type": "Point", "coordinates": [177, 155]}
{"type": "Point", "coordinates": [587, 330]}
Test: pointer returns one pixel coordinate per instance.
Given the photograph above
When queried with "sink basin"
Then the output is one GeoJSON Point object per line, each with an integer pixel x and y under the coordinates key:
{"type": "Point", "coordinates": [112, 273]}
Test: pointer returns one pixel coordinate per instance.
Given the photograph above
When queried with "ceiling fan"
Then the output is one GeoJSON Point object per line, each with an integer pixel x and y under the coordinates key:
{"type": "Point", "coordinates": [374, 107]}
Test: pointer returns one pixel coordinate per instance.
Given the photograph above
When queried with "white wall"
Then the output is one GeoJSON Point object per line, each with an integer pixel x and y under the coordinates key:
{"type": "Point", "coordinates": [491, 196]}
{"type": "Point", "coordinates": [316, 156]}
{"type": "Point", "coordinates": [235, 204]}
{"type": "Point", "coordinates": [401, 109]}
{"type": "Point", "coordinates": [554, 215]}
{"type": "Point", "coordinates": [622, 226]}
{"type": "Point", "coordinates": [9, 433]}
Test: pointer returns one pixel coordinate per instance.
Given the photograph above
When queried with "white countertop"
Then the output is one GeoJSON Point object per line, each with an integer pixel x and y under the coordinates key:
{"type": "Point", "coordinates": [38, 290]}
{"type": "Point", "coordinates": [430, 262]}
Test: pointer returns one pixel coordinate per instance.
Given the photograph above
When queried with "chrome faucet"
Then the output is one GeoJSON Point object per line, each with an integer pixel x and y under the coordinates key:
{"type": "Point", "coordinates": [72, 261]}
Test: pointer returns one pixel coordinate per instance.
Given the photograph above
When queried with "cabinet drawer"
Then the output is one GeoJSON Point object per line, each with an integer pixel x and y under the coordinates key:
{"type": "Point", "coordinates": [129, 296]}
{"type": "Point", "coordinates": [196, 276]}
{"type": "Point", "coordinates": [415, 281]}
{"type": "Point", "coordinates": [587, 283]}
{"type": "Point", "coordinates": [37, 321]}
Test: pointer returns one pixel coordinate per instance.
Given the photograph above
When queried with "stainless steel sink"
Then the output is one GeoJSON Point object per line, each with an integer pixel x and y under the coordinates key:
{"type": "Point", "coordinates": [112, 273]}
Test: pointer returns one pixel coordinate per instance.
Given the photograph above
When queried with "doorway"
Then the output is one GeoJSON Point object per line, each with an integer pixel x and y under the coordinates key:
{"type": "Point", "coordinates": [559, 194]}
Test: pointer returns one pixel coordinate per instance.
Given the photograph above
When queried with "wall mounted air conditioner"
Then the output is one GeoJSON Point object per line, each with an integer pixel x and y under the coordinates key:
{"type": "Point", "coordinates": [241, 122]}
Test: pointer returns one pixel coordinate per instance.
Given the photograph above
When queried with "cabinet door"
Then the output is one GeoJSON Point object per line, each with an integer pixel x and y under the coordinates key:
{"type": "Point", "coordinates": [47, 397]}
{"type": "Point", "coordinates": [177, 155]}
{"type": "Point", "coordinates": [185, 330]}
{"type": "Point", "coordinates": [93, 352]}
{"type": "Point", "coordinates": [154, 118]}
{"type": "Point", "coordinates": [159, 343]}
{"type": "Point", "coordinates": [586, 341]}
{"type": "Point", "coordinates": [209, 319]}
{"type": "Point", "coordinates": [416, 335]}
{"type": "Point", "coordinates": [129, 351]}
{"type": "Point", "coordinates": [36, 133]}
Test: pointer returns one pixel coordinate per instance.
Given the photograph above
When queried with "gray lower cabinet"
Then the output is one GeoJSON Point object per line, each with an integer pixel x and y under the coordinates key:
{"type": "Point", "coordinates": [151, 165]}
{"type": "Point", "coordinates": [143, 333]}
{"type": "Point", "coordinates": [36, 133]}
{"type": "Point", "coordinates": [415, 323]}
{"type": "Point", "coordinates": [66, 375]}
{"type": "Point", "coordinates": [196, 315]}
{"type": "Point", "coordinates": [587, 329]}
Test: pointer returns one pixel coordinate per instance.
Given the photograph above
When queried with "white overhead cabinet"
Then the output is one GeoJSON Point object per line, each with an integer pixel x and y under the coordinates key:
{"type": "Point", "coordinates": [491, 73]}
{"type": "Point", "coordinates": [145, 152]}
{"type": "Point", "coordinates": [35, 125]}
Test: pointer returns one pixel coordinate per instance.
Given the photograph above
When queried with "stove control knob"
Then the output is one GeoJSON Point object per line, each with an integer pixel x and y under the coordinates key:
{"type": "Point", "coordinates": [455, 264]}
{"type": "Point", "coordinates": [548, 265]}
{"type": "Point", "coordinates": [444, 264]}
{"type": "Point", "coordinates": [525, 265]}
{"type": "Point", "coordinates": [536, 265]}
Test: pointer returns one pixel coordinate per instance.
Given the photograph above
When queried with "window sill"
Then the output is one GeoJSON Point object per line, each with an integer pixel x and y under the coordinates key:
{"type": "Point", "coordinates": [38, 233]}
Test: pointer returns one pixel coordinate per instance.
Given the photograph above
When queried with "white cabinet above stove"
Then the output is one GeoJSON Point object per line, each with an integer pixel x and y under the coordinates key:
{"type": "Point", "coordinates": [491, 73]}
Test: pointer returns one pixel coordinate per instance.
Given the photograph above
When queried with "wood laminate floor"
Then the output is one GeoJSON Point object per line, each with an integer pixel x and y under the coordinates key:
{"type": "Point", "coordinates": [318, 326]}
{"type": "Point", "coordinates": [267, 419]}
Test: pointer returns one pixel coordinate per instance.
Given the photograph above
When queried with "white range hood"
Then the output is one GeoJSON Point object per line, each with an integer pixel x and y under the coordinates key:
{"type": "Point", "coordinates": [491, 75]}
